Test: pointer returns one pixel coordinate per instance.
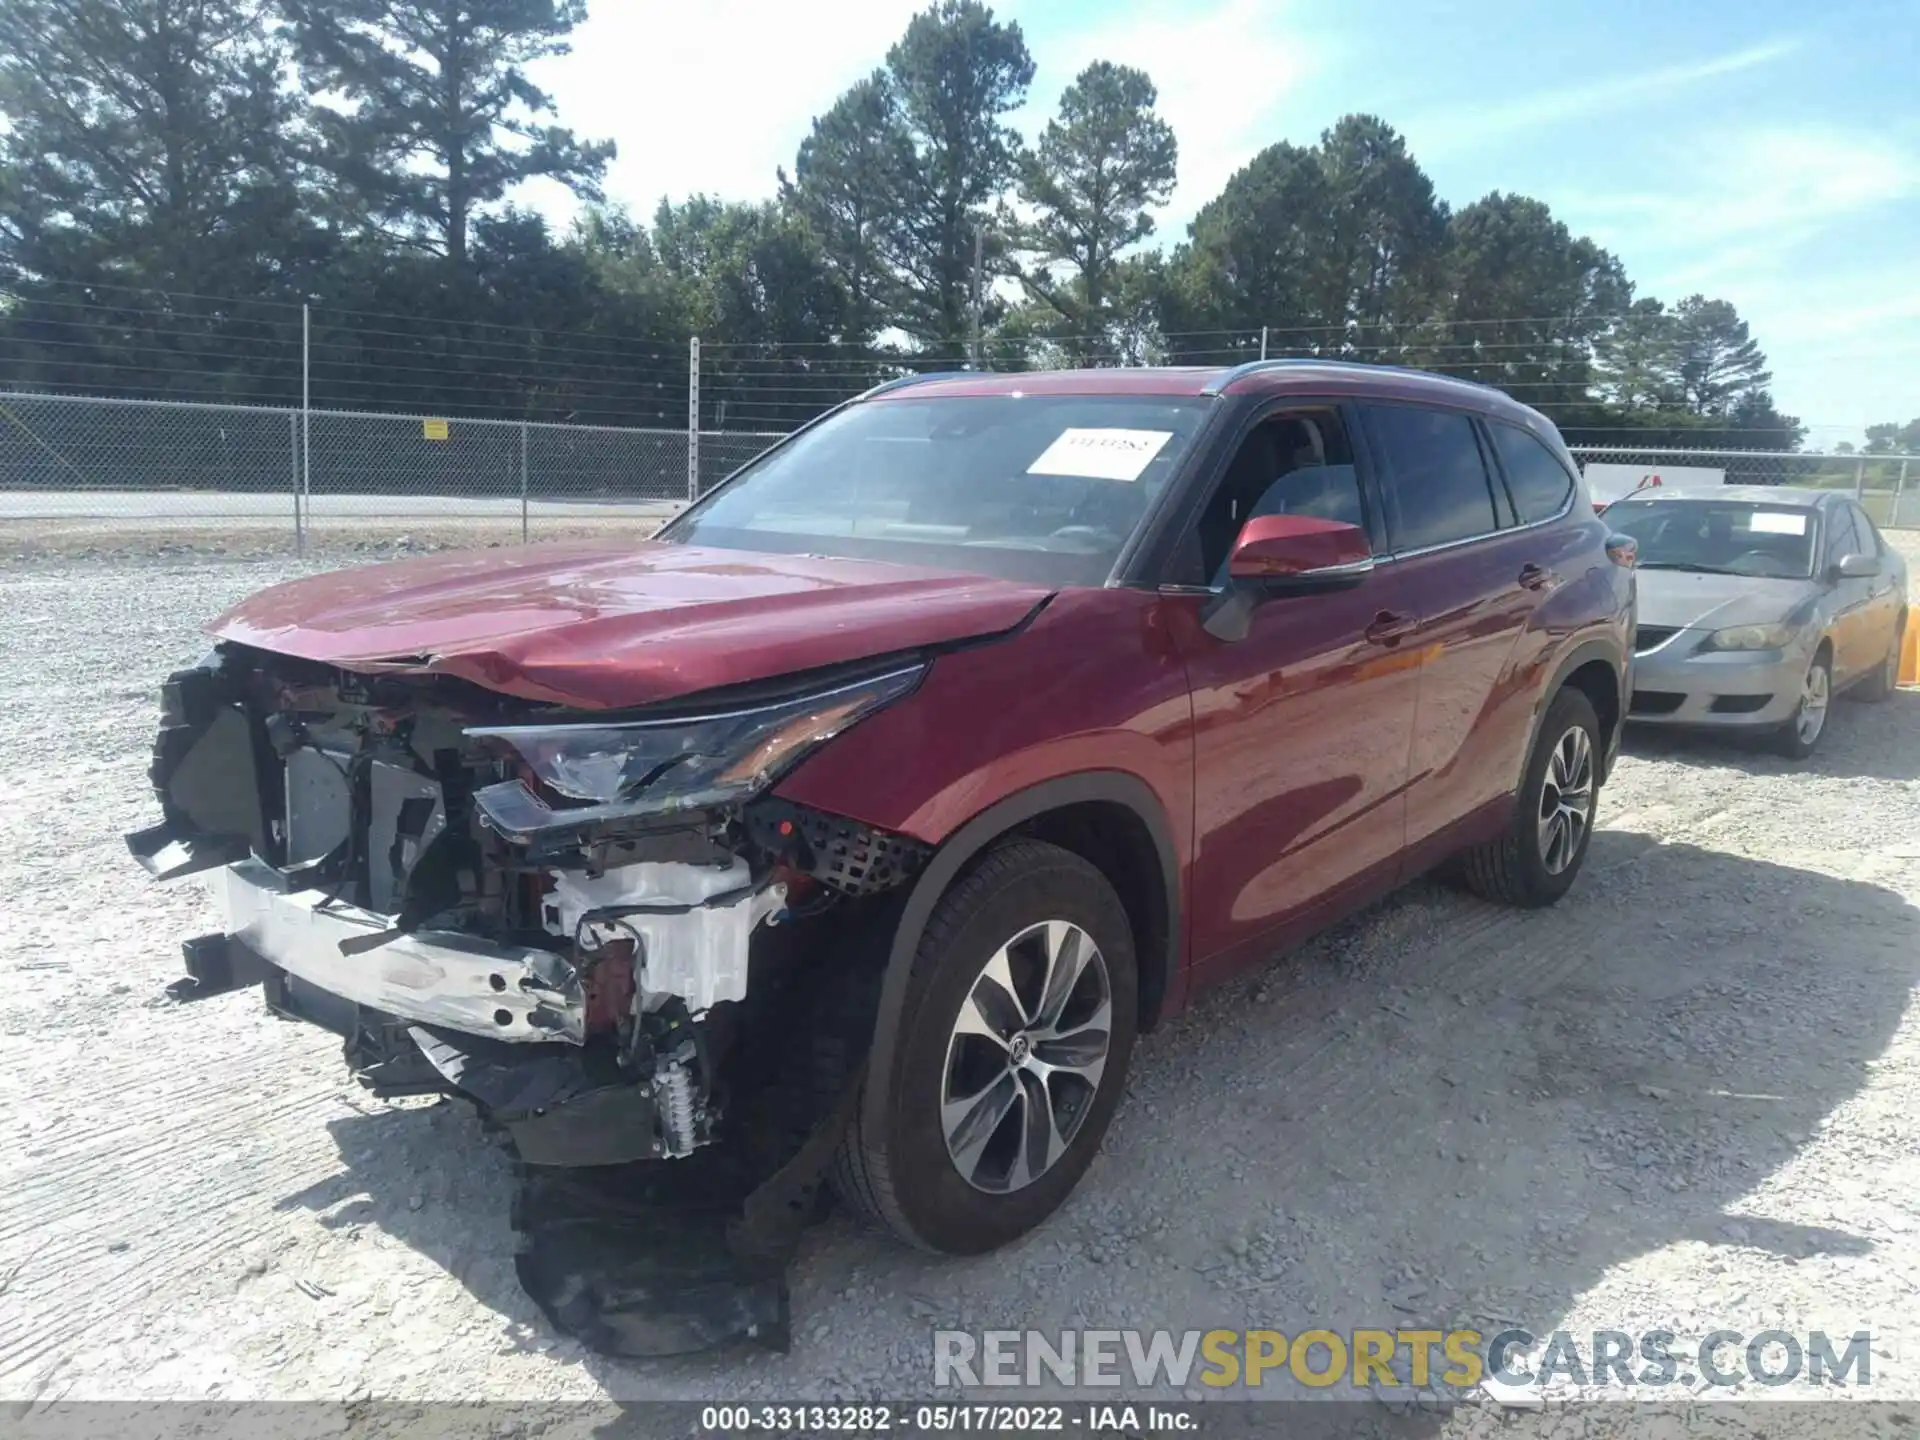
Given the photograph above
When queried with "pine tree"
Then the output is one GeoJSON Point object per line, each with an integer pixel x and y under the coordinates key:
{"type": "Point", "coordinates": [441, 118]}
{"type": "Point", "coordinates": [1098, 169]}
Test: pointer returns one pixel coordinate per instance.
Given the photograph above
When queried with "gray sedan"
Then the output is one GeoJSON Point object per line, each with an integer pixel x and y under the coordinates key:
{"type": "Point", "coordinates": [1757, 605]}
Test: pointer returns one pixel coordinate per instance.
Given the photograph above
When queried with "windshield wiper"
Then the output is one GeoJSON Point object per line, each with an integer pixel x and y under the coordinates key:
{"type": "Point", "coordinates": [1682, 565]}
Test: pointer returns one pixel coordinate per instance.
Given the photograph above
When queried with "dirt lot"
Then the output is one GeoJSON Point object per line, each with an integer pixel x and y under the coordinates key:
{"type": "Point", "coordinates": [1688, 1097]}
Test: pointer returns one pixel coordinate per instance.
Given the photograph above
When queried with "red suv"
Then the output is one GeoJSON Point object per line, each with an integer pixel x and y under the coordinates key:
{"type": "Point", "coordinates": [864, 818]}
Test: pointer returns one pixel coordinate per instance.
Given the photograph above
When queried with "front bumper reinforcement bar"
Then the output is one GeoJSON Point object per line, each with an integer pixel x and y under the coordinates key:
{"type": "Point", "coordinates": [441, 978]}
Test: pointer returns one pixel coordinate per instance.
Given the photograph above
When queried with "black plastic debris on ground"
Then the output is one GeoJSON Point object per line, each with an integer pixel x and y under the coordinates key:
{"type": "Point", "coordinates": [669, 1257]}
{"type": "Point", "coordinates": [626, 1266]}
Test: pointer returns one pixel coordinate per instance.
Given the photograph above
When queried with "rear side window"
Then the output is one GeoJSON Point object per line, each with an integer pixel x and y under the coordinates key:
{"type": "Point", "coordinates": [1433, 476]}
{"type": "Point", "coordinates": [1538, 482]}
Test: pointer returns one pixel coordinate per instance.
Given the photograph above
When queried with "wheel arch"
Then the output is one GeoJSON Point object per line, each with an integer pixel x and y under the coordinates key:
{"type": "Point", "coordinates": [1109, 817]}
{"type": "Point", "coordinates": [1597, 669]}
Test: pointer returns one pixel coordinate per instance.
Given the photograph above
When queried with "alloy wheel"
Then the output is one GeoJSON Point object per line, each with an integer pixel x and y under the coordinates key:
{"type": "Point", "coordinates": [1566, 800]}
{"type": "Point", "coordinates": [1025, 1056]}
{"type": "Point", "coordinates": [1814, 695]}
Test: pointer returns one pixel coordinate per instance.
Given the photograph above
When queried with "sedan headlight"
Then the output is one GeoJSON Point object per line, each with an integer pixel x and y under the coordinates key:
{"type": "Point", "coordinates": [658, 766]}
{"type": "Point", "coordinates": [1752, 637]}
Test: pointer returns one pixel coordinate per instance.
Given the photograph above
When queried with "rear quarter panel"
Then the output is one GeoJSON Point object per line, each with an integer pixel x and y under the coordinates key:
{"type": "Point", "coordinates": [1588, 614]}
{"type": "Point", "coordinates": [1472, 747]}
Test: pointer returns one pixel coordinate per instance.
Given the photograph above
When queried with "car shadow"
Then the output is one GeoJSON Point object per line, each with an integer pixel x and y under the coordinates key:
{"type": "Point", "coordinates": [1865, 741]}
{"type": "Point", "coordinates": [1442, 1114]}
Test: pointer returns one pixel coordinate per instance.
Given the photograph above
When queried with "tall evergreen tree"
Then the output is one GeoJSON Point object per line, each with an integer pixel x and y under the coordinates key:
{"type": "Point", "coordinates": [1377, 252]}
{"type": "Point", "coordinates": [144, 142]}
{"type": "Point", "coordinates": [1249, 257]}
{"type": "Point", "coordinates": [1100, 166]}
{"type": "Point", "coordinates": [441, 118]}
{"type": "Point", "coordinates": [1718, 362]}
{"type": "Point", "coordinates": [955, 74]}
{"type": "Point", "coordinates": [845, 185]}
{"type": "Point", "coordinates": [1527, 300]}
{"type": "Point", "coordinates": [1635, 365]}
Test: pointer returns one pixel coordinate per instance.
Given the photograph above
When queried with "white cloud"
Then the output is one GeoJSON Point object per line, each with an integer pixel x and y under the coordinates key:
{"type": "Point", "coordinates": [1484, 120]}
{"type": "Point", "coordinates": [711, 95]}
{"type": "Point", "coordinates": [714, 96]}
{"type": "Point", "coordinates": [1774, 186]}
{"type": "Point", "coordinates": [1223, 71]}
{"type": "Point", "coordinates": [1759, 218]}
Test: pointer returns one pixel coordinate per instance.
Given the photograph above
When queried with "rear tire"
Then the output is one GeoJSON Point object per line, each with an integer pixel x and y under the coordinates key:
{"type": "Point", "coordinates": [1009, 915]}
{"type": "Point", "coordinates": [1536, 861]}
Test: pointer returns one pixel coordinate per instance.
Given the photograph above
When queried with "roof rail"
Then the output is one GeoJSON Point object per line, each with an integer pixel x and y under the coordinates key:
{"type": "Point", "coordinates": [901, 382]}
{"type": "Point", "coordinates": [1255, 367]}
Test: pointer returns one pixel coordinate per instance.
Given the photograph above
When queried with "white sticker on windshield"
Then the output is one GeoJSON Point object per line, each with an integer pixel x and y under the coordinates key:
{"type": "Point", "coordinates": [1780, 522]}
{"type": "Point", "coordinates": [1100, 454]}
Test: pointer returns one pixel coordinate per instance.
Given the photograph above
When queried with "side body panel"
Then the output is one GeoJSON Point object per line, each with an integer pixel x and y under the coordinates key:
{"type": "Point", "coordinates": [1888, 595]}
{"type": "Point", "coordinates": [1488, 640]}
{"type": "Point", "coordinates": [1848, 600]}
{"type": "Point", "coordinates": [1301, 732]}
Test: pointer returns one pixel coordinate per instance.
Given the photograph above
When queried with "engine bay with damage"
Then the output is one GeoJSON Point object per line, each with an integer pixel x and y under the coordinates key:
{"type": "Point", "coordinates": [600, 927]}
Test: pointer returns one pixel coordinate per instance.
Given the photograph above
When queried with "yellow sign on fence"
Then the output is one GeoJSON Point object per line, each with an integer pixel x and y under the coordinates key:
{"type": "Point", "coordinates": [433, 429]}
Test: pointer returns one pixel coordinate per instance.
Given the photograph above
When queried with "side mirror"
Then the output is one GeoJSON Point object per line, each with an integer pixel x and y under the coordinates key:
{"type": "Point", "coordinates": [1856, 567]}
{"type": "Point", "coordinates": [1300, 552]}
{"type": "Point", "coordinates": [1285, 555]}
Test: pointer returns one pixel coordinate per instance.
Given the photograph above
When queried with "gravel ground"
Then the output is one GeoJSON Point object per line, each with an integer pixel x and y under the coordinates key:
{"type": "Point", "coordinates": [1688, 1097]}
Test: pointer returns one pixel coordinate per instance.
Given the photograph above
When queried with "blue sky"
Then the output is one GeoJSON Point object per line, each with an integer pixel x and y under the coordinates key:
{"type": "Point", "coordinates": [1761, 151]}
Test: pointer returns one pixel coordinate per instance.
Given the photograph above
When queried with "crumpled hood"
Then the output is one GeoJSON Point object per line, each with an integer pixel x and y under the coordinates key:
{"type": "Point", "coordinates": [606, 626]}
{"type": "Point", "coordinates": [1676, 599]}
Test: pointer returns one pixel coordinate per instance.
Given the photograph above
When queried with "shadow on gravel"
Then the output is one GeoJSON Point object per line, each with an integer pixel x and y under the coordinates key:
{"type": "Point", "coordinates": [1442, 1114]}
{"type": "Point", "coordinates": [1864, 741]}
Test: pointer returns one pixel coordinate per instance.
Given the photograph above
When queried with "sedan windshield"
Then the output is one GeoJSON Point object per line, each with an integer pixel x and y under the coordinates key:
{"type": "Point", "coordinates": [1719, 537]}
{"type": "Point", "coordinates": [1042, 488]}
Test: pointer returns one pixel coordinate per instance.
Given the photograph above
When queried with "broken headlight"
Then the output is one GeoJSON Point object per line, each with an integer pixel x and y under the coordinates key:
{"type": "Point", "coordinates": [681, 763]}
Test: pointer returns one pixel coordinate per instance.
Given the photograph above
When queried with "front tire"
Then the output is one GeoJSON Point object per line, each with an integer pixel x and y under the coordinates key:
{"type": "Point", "coordinates": [1015, 1034]}
{"type": "Point", "coordinates": [1800, 736]}
{"type": "Point", "coordinates": [1536, 861]}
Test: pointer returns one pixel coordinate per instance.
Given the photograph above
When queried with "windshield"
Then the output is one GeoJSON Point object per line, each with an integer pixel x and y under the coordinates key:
{"type": "Point", "coordinates": [1722, 537]}
{"type": "Point", "coordinates": [1041, 488]}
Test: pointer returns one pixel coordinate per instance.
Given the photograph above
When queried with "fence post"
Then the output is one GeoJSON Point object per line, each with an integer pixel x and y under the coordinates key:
{"type": "Point", "coordinates": [306, 407]}
{"type": "Point", "coordinates": [693, 419]}
{"type": "Point", "coordinates": [293, 466]}
{"type": "Point", "coordinates": [1263, 342]}
{"type": "Point", "coordinates": [1899, 489]}
{"type": "Point", "coordinates": [523, 482]}
{"type": "Point", "coordinates": [1859, 478]}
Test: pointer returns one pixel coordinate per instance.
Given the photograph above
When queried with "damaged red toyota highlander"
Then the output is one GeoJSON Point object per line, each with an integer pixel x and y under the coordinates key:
{"type": "Point", "coordinates": [858, 824]}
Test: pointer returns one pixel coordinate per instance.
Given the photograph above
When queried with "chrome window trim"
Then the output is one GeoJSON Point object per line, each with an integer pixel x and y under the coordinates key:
{"type": "Point", "coordinates": [1552, 519]}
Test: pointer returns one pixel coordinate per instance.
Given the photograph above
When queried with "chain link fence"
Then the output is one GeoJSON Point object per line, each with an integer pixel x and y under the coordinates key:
{"type": "Point", "coordinates": [159, 465]}
{"type": "Point", "coordinates": [166, 464]}
{"type": "Point", "coordinates": [1887, 486]}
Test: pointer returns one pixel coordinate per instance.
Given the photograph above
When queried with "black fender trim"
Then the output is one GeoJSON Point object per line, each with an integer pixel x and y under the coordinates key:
{"type": "Point", "coordinates": [962, 846]}
{"type": "Point", "coordinates": [1585, 653]}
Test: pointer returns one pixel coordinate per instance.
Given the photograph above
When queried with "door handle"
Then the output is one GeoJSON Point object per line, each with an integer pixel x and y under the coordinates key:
{"type": "Point", "coordinates": [1389, 628]}
{"type": "Point", "coordinates": [1532, 577]}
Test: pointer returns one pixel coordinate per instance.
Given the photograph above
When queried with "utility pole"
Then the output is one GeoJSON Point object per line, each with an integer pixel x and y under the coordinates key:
{"type": "Point", "coordinates": [973, 346]}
